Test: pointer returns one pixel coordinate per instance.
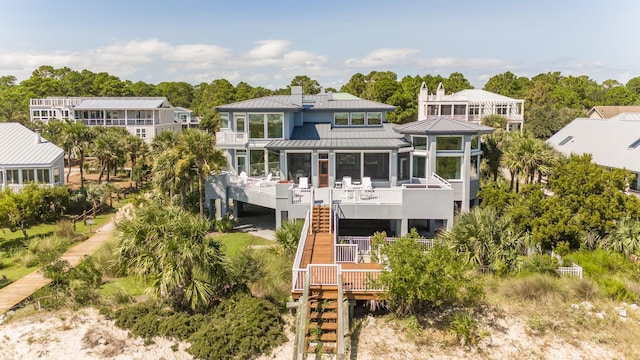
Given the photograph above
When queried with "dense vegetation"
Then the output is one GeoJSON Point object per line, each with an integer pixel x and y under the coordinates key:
{"type": "Point", "coordinates": [552, 99]}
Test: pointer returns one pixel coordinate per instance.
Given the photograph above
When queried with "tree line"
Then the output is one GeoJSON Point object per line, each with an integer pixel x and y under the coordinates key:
{"type": "Point", "coordinates": [551, 99]}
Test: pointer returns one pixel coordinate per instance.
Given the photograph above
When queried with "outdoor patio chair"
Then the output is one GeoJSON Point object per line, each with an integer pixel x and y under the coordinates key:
{"type": "Point", "coordinates": [243, 178]}
{"type": "Point", "coordinates": [367, 188]}
{"type": "Point", "coordinates": [304, 183]}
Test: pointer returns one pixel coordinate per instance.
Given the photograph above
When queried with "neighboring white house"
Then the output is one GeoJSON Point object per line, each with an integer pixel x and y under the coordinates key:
{"type": "Point", "coordinates": [26, 157]}
{"type": "Point", "coordinates": [145, 117]}
{"type": "Point", "coordinates": [185, 117]}
{"type": "Point", "coordinates": [613, 142]}
{"type": "Point", "coordinates": [470, 105]}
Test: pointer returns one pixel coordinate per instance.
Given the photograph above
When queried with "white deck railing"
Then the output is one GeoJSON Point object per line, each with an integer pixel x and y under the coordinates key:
{"type": "Point", "coordinates": [253, 184]}
{"type": "Point", "coordinates": [442, 181]}
{"type": "Point", "coordinates": [573, 271]}
{"type": "Point", "coordinates": [368, 196]}
{"type": "Point", "coordinates": [229, 137]}
{"type": "Point", "coordinates": [20, 187]}
{"type": "Point", "coordinates": [361, 280]}
{"type": "Point", "coordinates": [298, 273]}
{"type": "Point", "coordinates": [363, 243]}
{"type": "Point", "coordinates": [301, 196]}
{"type": "Point", "coordinates": [324, 274]}
{"type": "Point", "coordinates": [345, 253]}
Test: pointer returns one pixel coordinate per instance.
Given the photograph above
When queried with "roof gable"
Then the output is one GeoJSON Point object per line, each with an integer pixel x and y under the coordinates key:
{"type": "Point", "coordinates": [18, 145]}
{"type": "Point", "coordinates": [442, 125]}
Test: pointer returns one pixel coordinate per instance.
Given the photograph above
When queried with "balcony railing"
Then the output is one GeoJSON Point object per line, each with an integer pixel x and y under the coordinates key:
{"type": "Point", "coordinates": [231, 138]}
{"type": "Point", "coordinates": [262, 185]}
{"type": "Point", "coordinates": [20, 187]}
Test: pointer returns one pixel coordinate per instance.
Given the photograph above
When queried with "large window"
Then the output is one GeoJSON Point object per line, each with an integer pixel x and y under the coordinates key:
{"type": "Point", "coordinates": [224, 120]}
{"type": "Point", "coordinates": [240, 123]}
{"type": "Point", "coordinates": [348, 164]}
{"type": "Point", "coordinates": [432, 110]}
{"type": "Point", "coordinates": [256, 126]}
{"type": "Point", "coordinates": [419, 167]}
{"type": "Point", "coordinates": [256, 162]}
{"type": "Point", "coordinates": [43, 176]}
{"type": "Point", "coordinates": [449, 167]}
{"type": "Point", "coordinates": [357, 119]}
{"type": "Point", "coordinates": [403, 166]}
{"type": "Point", "coordinates": [298, 165]}
{"type": "Point", "coordinates": [341, 119]}
{"type": "Point", "coordinates": [274, 162]}
{"type": "Point", "coordinates": [419, 142]}
{"type": "Point", "coordinates": [459, 109]}
{"type": "Point", "coordinates": [374, 118]}
{"type": "Point", "coordinates": [56, 174]}
{"type": "Point", "coordinates": [474, 167]}
{"type": "Point", "coordinates": [265, 126]}
{"type": "Point", "coordinates": [501, 109]}
{"type": "Point", "coordinates": [274, 126]}
{"type": "Point", "coordinates": [445, 110]}
{"type": "Point", "coordinates": [475, 142]}
{"type": "Point", "coordinates": [474, 110]}
{"type": "Point", "coordinates": [28, 176]}
{"type": "Point", "coordinates": [141, 133]}
{"type": "Point", "coordinates": [376, 166]}
{"type": "Point", "coordinates": [449, 143]}
{"type": "Point", "coordinates": [12, 177]}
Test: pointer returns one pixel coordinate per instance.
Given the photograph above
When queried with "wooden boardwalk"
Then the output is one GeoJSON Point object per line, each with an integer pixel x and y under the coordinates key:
{"type": "Point", "coordinates": [22, 288]}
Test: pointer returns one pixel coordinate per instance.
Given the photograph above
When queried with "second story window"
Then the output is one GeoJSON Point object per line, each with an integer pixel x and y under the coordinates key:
{"type": "Point", "coordinates": [374, 118]}
{"type": "Point", "coordinates": [501, 109]}
{"type": "Point", "coordinates": [265, 126]}
{"type": "Point", "coordinates": [341, 119]}
{"type": "Point", "coordinates": [357, 119]}
{"type": "Point", "coordinates": [474, 110]}
{"type": "Point", "coordinates": [459, 109]}
{"type": "Point", "coordinates": [224, 120]}
{"type": "Point", "coordinates": [432, 110]}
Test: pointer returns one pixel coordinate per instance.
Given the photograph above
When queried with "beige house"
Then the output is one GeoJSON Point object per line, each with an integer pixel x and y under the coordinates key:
{"type": "Point", "coordinates": [605, 112]}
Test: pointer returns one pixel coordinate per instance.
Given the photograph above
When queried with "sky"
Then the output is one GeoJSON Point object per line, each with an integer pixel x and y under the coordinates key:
{"type": "Point", "coordinates": [268, 42]}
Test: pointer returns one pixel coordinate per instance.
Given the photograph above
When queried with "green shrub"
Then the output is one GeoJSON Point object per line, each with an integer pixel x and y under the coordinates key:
{"type": "Point", "coordinates": [540, 263]}
{"type": "Point", "coordinates": [288, 236]}
{"type": "Point", "coordinates": [600, 263]}
{"type": "Point", "coordinates": [616, 289]}
{"type": "Point", "coordinates": [226, 223]}
{"type": "Point", "coordinates": [584, 289]}
{"type": "Point", "coordinates": [64, 229]}
{"type": "Point", "coordinates": [561, 248]}
{"type": "Point", "coordinates": [46, 249]}
{"type": "Point", "coordinates": [245, 326]}
{"type": "Point", "coordinates": [240, 327]}
{"type": "Point", "coordinates": [466, 328]}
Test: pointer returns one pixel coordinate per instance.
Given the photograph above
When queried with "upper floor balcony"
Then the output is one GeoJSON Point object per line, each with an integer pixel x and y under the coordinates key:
{"type": "Point", "coordinates": [231, 139]}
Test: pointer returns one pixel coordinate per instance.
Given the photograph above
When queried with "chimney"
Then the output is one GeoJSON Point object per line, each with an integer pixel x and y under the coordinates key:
{"type": "Point", "coordinates": [38, 138]}
{"type": "Point", "coordinates": [296, 95]}
{"type": "Point", "coordinates": [440, 91]}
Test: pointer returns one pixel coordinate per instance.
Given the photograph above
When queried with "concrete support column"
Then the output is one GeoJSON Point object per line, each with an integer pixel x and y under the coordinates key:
{"type": "Point", "coordinates": [404, 227]}
{"type": "Point", "coordinates": [393, 164]}
{"type": "Point", "coordinates": [466, 161]}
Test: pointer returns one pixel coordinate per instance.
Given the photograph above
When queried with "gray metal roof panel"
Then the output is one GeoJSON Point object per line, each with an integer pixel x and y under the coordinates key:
{"type": "Point", "coordinates": [18, 146]}
{"type": "Point", "coordinates": [279, 102]}
{"type": "Point", "coordinates": [607, 140]}
{"type": "Point", "coordinates": [443, 125]}
{"type": "Point", "coordinates": [117, 104]}
{"type": "Point", "coordinates": [323, 136]}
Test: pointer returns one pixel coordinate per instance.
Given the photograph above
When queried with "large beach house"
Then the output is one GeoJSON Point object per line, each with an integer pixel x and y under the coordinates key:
{"type": "Point", "coordinates": [333, 160]}
{"type": "Point", "coordinates": [145, 117]}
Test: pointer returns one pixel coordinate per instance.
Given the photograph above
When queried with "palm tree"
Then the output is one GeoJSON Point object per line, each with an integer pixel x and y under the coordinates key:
{"type": "Point", "coordinates": [108, 148]}
{"type": "Point", "coordinates": [199, 148]}
{"type": "Point", "coordinates": [625, 238]}
{"type": "Point", "coordinates": [171, 250]}
{"type": "Point", "coordinates": [136, 148]}
{"type": "Point", "coordinates": [172, 172]}
{"type": "Point", "coordinates": [486, 238]}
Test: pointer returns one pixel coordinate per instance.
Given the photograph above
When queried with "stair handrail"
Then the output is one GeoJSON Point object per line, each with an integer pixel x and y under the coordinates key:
{"type": "Point", "coordinates": [297, 260]}
{"type": "Point", "coordinates": [341, 321]}
{"type": "Point", "coordinates": [311, 203]}
{"type": "Point", "coordinates": [301, 317]}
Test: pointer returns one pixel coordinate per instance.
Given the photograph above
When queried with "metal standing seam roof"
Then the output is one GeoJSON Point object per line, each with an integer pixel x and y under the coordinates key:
{"type": "Point", "coordinates": [119, 104]}
{"type": "Point", "coordinates": [607, 140]}
{"type": "Point", "coordinates": [323, 136]}
{"type": "Point", "coordinates": [444, 126]}
{"type": "Point", "coordinates": [339, 101]}
{"type": "Point", "coordinates": [18, 146]}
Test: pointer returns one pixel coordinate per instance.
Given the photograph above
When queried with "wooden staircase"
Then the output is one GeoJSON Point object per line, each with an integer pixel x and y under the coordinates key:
{"type": "Point", "coordinates": [322, 321]}
{"type": "Point", "coordinates": [321, 219]}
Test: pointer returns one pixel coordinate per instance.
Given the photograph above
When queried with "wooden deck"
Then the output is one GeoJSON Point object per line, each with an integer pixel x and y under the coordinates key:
{"type": "Point", "coordinates": [319, 250]}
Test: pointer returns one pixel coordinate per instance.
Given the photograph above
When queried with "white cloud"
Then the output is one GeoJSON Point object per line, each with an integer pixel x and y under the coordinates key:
{"type": "Point", "coordinates": [382, 57]}
{"type": "Point", "coordinates": [269, 49]}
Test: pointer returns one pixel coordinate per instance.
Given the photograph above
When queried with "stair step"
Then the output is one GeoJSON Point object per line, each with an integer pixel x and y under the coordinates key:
{"type": "Point", "coordinates": [333, 326]}
{"type": "Point", "coordinates": [326, 348]}
{"type": "Point", "coordinates": [323, 315]}
{"type": "Point", "coordinates": [329, 337]}
{"type": "Point", "coordinates": [327, 305]}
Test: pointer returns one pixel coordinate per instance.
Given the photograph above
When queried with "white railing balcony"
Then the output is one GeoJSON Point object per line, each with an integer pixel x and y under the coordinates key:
{"type": "Point", "coordinates": [231, 138]}
{"type": "Point", "coordinates": [20, 187]}
{"type": "Point", "coordinates": [262, 185]}
{"type": "Point", "coordinates": [357, 194]}
{"type": "Point", "coordinates": [345, 253]}
{"type": "Point", "coordinates": [300, 196]}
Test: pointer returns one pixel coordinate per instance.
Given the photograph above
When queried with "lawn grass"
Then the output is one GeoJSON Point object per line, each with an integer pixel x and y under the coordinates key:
{"type": "Point", "coordinates": [132, 285]}
{"type": "Point", "coordinates": [235, 243]}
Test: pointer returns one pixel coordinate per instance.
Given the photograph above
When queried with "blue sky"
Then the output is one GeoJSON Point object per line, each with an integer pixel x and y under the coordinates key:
{"type": "Point", "coordinates": [267, 43]}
